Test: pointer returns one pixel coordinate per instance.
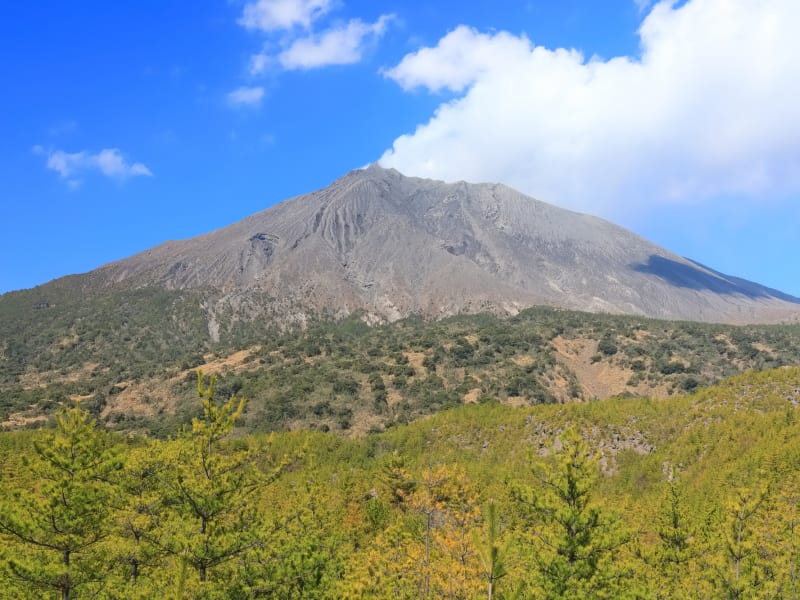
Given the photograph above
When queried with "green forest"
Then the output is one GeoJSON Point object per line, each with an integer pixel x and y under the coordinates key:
{"type": "Point", "coordinates": [693, 496]}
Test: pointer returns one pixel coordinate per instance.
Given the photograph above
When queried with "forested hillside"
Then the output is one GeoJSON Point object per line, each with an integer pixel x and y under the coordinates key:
{"type": "Point", "coordinates": [694, 496]}
{"type": "Point", "coordinates": [347, 376]}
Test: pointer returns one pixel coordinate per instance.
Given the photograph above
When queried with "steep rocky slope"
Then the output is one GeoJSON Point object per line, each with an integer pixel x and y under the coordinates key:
{"type": "Point", "coordinates": [390, 245]}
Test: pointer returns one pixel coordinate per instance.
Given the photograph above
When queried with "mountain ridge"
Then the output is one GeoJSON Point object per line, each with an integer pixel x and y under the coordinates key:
{"type": "Point", "coordinates": [389, 245]}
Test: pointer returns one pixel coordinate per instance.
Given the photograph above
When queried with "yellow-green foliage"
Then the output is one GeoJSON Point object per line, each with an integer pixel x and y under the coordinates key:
{"type": "Point", "coordinates": [692, 497]}
{"type": "Point", "coordinates": [61, 524]}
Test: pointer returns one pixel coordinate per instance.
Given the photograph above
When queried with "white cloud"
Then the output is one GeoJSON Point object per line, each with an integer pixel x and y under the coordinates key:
{"type": "Point", "coordinates": [259, 63]}
{"type": "Point", "coordinates": [462, 57]}
{"type": "Point", "coordinates": [272, 15]}
{"type": "Point", "coordinates": [66, 164]}
{"type": "Point", "coordinates": [246, 96]}
{"type": "Point", "coordinates": [335, 46]}
{"type": "Point", "coordinates": [110, 162]}
{"type": "Point", "coordinates": [709, 109]}
{"type": "Point", "coordinates": [284, 20]}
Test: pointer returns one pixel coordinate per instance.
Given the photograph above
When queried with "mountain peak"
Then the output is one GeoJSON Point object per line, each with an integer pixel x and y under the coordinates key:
{"type": "Point", "coordinates": [390, 245]}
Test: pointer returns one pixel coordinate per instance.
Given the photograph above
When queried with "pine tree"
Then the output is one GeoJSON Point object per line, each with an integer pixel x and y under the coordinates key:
{"type": "Point", "coordinates": [138, 521]}
{"type": "Point", "coordinates": [58, 529]}
{"type": "Point", "coordinates": [211, 492]}
{"type": "Point", "coordinates": [298, 558]}
{"type": "Point", "coordinates": [397, 479]}
{"type": "Point", "coordinates": [429, 550]}
{"type": "Point", "coordinates": [571, 539]}
{"type": "Point", "coordinates": [450, 512]}
{"type": "Point", "coordinates": [672, 565]}
{"type": "Point", "coordinates": [492, 554]}
{"type": "Point", "coordinates": [782, 537]}
{"type": "Point", "coordinates": [739, 568]}
{"type": "Point", "coordinates": [428, 501]}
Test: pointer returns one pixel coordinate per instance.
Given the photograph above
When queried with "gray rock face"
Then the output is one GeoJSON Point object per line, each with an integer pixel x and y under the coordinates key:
{"type": "Point", "coordinates": [390, 245]}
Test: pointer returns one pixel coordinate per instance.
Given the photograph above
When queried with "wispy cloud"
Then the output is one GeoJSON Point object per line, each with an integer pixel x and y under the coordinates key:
{"type": "Point", "coordinates": [290, 24]}
{"type": "Point", "coordinates": [335, 46]}
{"type": "Point", "coordinates": [109, 162]}
{"type": "Point", "coordinates": [708, 110]}
{"type": "Point", "coordinates": [246, 96]}
{"type": "Point", "coordinates": [273, 15]}
{"type": "Point", "coordinates": [260, 62]}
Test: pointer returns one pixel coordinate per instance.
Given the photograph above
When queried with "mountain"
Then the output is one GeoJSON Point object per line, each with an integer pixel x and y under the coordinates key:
{"type": "Point", "coordinates": [390, 246]}
{"type": "Point", "coordinates": [376, 246]}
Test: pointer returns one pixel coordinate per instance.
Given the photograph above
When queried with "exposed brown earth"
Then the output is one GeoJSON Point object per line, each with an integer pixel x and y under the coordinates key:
{"type": "Point", "coordinates": [415, 360]}
{"type": "Point", "coordinates": [602, 378]}
{"type": "Point", "coordinates": [40, 379]}
{"type": "Point", "coordinates": [154, 396]}
{"type": "Point", "coordinates": [471, 397]}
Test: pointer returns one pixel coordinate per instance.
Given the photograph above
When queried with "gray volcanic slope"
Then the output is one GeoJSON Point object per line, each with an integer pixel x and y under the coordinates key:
{"type": "Point", "coordinates": [390, 245]}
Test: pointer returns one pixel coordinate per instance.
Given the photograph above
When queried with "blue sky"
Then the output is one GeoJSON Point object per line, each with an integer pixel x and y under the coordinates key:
{"type": "Point", "coordinates": [128, 124]}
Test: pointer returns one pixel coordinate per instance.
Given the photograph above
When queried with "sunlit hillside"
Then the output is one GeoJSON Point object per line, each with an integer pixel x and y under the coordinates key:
{"type": "Point", "coordinates": [692, 496]}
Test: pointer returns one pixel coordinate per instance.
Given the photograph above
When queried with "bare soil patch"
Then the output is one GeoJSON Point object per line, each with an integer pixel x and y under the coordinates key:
{"type": "Point", "coordinates": [602, 378]}
{"type": "Point", "coordinates": [471, 397]}
{"type": "Point", "coordinates": [415, 360]}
